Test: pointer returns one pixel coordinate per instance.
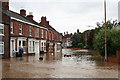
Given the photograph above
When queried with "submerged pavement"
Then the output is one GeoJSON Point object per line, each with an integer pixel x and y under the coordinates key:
{"type": "Point", "coordinates": [76, 66]}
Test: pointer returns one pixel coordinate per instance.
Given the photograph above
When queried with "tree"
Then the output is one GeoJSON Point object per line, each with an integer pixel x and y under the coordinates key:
{"type": "Point", "coordinates": [77, 40]}
{"type": "Point", "coordinates": [113, 41]}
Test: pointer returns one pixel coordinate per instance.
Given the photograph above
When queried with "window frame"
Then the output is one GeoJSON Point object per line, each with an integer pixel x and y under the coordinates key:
{"type": "Point", "coordinates": [46, 34]}
{"type": "Point", "coordinates": [20, 29]}
{"type": "Point", "coordinates": [42, 33]}
{"type": "Point", "coordinates": [30, 30]}
{"type": "Point", "coordinates": [31, 46]}
{"type": "Point", "coordinates": [3, 47]}
{"type": "Point", "coordinates": [2, 27]}
{"type": "Point", "coordinates": [12, 27]}
{"type": "Point", "coordinates": [37, 32]}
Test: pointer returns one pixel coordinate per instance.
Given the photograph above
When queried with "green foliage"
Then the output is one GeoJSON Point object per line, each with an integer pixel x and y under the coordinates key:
{"type": "Point", "coordinates": [80, 45]}
{"type": "Point", "coordinates": [113, 41]}
{"type": "Point", "coordinates": [77, 40]}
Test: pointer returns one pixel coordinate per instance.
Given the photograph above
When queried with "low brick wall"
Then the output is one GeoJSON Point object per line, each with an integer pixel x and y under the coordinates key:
{"type": "Point", "coordinates": [115, 59]}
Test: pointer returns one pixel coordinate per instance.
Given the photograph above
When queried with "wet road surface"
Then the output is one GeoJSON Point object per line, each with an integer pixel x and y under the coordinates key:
{"type": "Point", "coordinates": [81, 64]}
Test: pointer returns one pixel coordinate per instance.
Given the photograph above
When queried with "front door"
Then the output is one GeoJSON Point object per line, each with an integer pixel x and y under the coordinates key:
{"type": "Point", "coordinates": [36, 47]}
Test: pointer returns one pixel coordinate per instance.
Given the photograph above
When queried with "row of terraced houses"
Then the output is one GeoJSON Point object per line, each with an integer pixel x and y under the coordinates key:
{"type": "Point", "coordinates": [20, 30]}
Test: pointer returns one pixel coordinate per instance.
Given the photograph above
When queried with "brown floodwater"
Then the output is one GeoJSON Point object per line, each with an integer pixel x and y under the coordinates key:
{"type": "Point", "coordinates": [81, 64]}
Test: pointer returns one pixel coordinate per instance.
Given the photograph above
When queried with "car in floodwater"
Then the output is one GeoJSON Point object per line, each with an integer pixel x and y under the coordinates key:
{"type": "Point", "coordinates": [67, 55]}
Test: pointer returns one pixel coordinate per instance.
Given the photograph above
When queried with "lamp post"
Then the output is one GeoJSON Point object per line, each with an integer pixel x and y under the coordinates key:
{"type": "Point", "coordinates": [105, 31]}
{"type": "Point", "coordinates": [86, 40]}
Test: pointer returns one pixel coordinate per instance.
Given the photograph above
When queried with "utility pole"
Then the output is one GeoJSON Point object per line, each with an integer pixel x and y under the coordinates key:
{"type": "Point", "coordinates": [105, 26]}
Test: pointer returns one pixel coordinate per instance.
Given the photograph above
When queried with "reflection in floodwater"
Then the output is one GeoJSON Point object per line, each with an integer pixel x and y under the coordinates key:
{"type": "Point", "coordinates": [79, 65]}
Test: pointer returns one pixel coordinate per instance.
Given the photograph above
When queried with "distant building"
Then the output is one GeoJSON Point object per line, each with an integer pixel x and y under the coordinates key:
{"type": "Point", "coordinates": [67, 39]}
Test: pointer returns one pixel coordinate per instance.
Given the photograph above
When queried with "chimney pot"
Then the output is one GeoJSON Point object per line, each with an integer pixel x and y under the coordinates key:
{"type": "Point", "coordinates": [77, 30]}
{"type": "Point", "coordinates": [48, 22]}
{"type": "Point", "coordinates": [30, 16]}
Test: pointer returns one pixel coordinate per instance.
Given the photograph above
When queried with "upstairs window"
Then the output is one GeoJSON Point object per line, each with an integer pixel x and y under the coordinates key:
{"type": "Point", "coordinates": [37, 32]}
{"type": "Point", "coordinates": [1, 47]}
{"type": "Point", "coordinates": [42, 33]}
{"type": "Point", "coordinates": [11, 26]}
{"type": "Point", "coordinates": [46, 34]}
{"type": "Point", "coordinates": [1, 29]}
{"type": "Point", "coordinates": [52, 36]}
{"type": "Point", "coordinates": [20, 29]}
{"type": "Point", "coordinates": [30, 31]}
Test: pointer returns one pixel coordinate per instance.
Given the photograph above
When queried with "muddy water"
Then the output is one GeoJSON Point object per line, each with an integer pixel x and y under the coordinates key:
{"type": "Point", "coordinates": [81, 64]}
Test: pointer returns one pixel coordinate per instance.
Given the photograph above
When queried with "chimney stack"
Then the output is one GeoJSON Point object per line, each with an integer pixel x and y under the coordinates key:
{"type": "Point", "coordinates": [43, 19]}
{"type": "Point", "coordinates": [23, 12]}
{"type": "Point", "coordinates": [30, 16]}
{"type": "Point", "coordinates": [64, 33]}
{"type": "Point", "coordinates": [67, 32]}
{"type": "Point", "coordinates": [5, 4]}
{"type": "Point", "coordinates": [78, 31]}
{"type": "Point", "coordinates": [47, 22]}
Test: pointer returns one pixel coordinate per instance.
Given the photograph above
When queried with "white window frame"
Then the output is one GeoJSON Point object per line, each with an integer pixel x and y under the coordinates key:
{"type": "Point", "coordinates": [12, 27]}
{"type": "Point", "coordinates": [21, 40]}
{"type": "Point", "coordinates": [43, 45]}
{"type": "Point", "coordinates": [46, 35]}
{"type": "Point", "coordinates": [2, 27]}
{"type": "Point", "coordinates": [20, 29]}
{"type": "Point", "coordinates": [42, 33]}
{"type": "Point", "coordinates": [37, 32]}
{"type": "Point", "coordinates": [31, 46]}
{"type": "Point", "coordinates": [30, 31]}
{"type": "Point", "coordinates": [49, 35]}
{"type": "Point", "coordinates": [52, 36]}
{"type": "Point", "coordinates": [2, 43]}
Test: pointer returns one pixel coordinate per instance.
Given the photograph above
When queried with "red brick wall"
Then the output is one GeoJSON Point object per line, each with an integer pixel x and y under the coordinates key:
{"type": "Point", "coordinates": [6, 37]}
{"type": "Point", "coordinates": [6, 42]}
{"type": "Point", "coordinates": [115, 59]}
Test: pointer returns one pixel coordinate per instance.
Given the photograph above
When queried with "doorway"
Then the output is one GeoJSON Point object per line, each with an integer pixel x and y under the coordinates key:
{"type": "Point", "coordinates": [37, 47]}
{"type": "Point", "coordinates": [12, 47]}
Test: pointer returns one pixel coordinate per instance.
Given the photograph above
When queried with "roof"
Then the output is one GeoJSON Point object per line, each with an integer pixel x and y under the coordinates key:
{"type": "Point", "coordinates": [23, 18]}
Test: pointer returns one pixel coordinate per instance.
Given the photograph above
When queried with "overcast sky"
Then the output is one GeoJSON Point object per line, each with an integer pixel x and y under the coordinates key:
{"type": "Point", "coordinates": [68, 15]}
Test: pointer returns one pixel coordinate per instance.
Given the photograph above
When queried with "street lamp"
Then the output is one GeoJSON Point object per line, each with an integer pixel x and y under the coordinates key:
{"type": "Point", "coordinates": [105, 31]}
{"type": "Point", "coordinates": [86, 40]}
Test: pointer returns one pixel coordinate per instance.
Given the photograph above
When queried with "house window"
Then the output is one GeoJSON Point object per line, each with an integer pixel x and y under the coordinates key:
{"type": "Point", "coordinates": [1, 47]}
{"type": "Point", "coordinates": [30, 31]}
{"type": "Point", "coordinates": [22, 44]}
{"type": "Point", "coordinates": [49, 36]}
{"type": "Point", "coordinates": [20, 29]}
{"type": "Point", "coordinates": [60, 38]}
{"type": "Point", "coordinates": [52, 36]}
{"type": "Point", "coordinates": [46, 35]}
{"type": "Point", "coordinates": [11, 25]}
{"type": "Point", "coordinates": [58, 46]}
{"type": "Point", "coordinates": [1, 29]}
{"type": "Point", "coordinates": [43, 46]}
{"type": "Point", "coordinates": [37, 32]}
{"type": "Point", "coordinates": [31, 46]}
{"type": "Point", "coordinates": [42, 33]}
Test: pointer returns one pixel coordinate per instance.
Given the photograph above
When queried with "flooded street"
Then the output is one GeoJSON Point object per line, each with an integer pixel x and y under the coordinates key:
{"type": "Point", "coordinates": [81, 64]}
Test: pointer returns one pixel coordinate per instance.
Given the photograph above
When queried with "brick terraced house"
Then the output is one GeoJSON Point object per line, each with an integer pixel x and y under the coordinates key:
{"type": "Point", "coordinates": [4, 31]}
{"type": "Point", "coordinates": [32, 36]}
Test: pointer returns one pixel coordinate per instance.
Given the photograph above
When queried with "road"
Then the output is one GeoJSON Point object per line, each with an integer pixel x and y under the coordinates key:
{"type": "Point", "coordinates": [79, 65]}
